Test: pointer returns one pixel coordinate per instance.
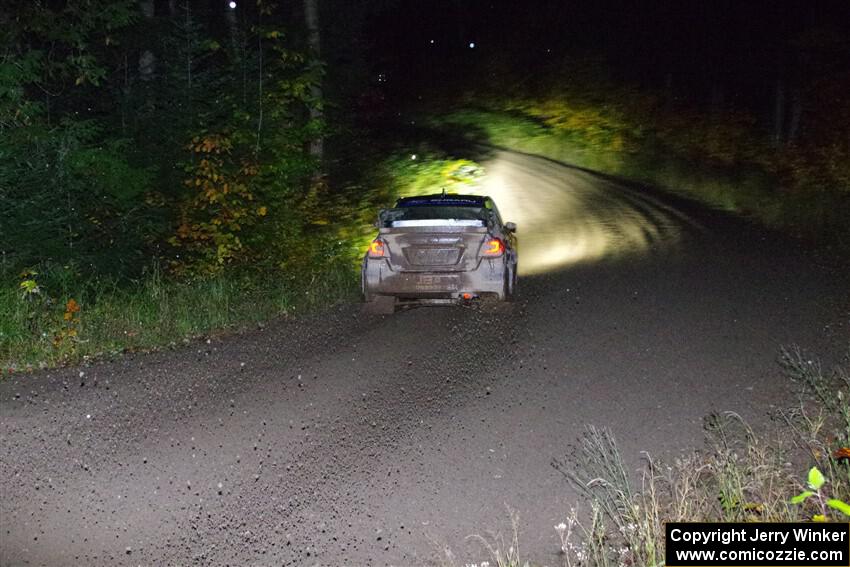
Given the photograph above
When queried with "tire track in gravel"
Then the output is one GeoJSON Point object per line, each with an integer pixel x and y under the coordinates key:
{"type": "Point", "coordinates": [344, 439]}
{"type": "Point", "coordinates": [325, 512]}
{"type": "Point", "coordinates": [234, 469]}
{"type": "Point", "coordinates": [116, 419]}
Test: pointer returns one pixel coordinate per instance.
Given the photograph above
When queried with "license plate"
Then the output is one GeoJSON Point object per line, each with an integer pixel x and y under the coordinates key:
{"type": "Point", "coordinates": [436, 283]}
{"type": "Point", "coordinates": [435, 256]}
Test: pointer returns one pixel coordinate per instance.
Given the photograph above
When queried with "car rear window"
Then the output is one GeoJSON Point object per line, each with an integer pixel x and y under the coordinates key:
{"type": "Point", "coordinates": [442, 201]}
{"type": "Point", "coordinates": [434, 216]}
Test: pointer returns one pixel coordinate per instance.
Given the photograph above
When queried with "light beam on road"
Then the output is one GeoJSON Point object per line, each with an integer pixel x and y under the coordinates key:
{"type": "Point", "coordinates": [565, 216]}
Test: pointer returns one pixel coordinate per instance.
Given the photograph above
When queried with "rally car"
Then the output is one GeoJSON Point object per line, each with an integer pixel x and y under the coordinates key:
{"type": "Point", "coordinates": [440, 249]}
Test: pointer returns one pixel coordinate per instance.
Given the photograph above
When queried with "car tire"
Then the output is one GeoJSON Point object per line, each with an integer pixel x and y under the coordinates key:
{"type": "Point", "coordinates": [510, 284]}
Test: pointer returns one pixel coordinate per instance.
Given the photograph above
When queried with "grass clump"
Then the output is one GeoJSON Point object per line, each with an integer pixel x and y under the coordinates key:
{"type": "Point", "coordinates": [798, 471]}
{"type": "Point", "coordinates": [742, 476]}
{"type": "Point", "coordinates": [57, 325]}
{"type": "Point", "coordinates": [503, 553]}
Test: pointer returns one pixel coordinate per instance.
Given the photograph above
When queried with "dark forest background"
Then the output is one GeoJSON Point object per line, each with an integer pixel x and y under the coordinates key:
{"type": "Point", "coordinates": [191, 164]}
{"type": "Point", "coordinates": [741, 104]}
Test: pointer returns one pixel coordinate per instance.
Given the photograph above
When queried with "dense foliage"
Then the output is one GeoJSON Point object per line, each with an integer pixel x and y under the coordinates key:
{"type": "Point", "coordinates": [157, 178]}
{"type": "Point", "coordinates": [743, 104]}
{"type": "Point", "coordinates": [137, 132]}
{"type": "Point", "coordinates": [152, 151]}
{"type": "Point", "coordinates": [721, 153]}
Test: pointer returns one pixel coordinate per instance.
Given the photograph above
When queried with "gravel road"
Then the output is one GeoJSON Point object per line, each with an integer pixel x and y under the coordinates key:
{"type": "Point", "coordinates": [342, 438]}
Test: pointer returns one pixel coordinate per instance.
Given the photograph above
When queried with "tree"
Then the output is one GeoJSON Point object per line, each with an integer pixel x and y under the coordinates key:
{"type": "Point", "coordinates": [66, 183]}
{"type": "Point", "coordinates": [311, 17]}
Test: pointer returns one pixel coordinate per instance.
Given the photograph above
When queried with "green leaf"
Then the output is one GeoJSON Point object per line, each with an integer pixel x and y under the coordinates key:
{"type": "Point", "coordinates": [816, 479]}
{"type": "Point", "coordinates": [842, 507]}
{"type": "Point", "coordinates": [801, 497]}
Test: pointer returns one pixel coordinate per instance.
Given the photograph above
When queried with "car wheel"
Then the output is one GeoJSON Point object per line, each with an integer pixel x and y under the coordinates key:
{"type": "Point", "coordinates": [510, 284]}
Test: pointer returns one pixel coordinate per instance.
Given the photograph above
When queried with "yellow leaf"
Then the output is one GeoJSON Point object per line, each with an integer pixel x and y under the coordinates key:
{"type": "Point", "coordinates": [818, 518]}
{"type": "Point", "coordinates": [262, 211]}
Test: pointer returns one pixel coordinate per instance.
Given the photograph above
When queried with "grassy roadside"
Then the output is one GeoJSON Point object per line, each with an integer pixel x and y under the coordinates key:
{"type": "Point", "coordinates": [50, 326]}
{"type": "Point", "coordinates": [607, 143]}
{"type": "Point", "coordinates": [52, 315]}
{"type": "Point", "coordinates": [799, 470]}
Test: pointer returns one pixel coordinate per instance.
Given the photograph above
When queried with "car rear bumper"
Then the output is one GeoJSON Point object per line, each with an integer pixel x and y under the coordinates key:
{"type": "Point", "coordinates": [486, 280]}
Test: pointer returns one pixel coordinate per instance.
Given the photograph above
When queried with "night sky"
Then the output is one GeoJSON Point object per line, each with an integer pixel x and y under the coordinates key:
{"type": "Point", "coordinates": [742, 47]}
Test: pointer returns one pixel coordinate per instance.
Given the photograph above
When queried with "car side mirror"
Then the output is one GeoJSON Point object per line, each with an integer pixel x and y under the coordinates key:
{"type": "Point", "coordinates": [510, 226]}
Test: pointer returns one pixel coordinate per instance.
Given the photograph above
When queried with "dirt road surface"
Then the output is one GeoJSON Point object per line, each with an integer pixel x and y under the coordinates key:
{"type": "Point", "coordinates": [342, 438]}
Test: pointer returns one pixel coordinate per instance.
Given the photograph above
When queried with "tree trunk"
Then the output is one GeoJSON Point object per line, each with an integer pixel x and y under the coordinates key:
{"type": "Point", "coordinates": [311, 15]}
{"type": "Point", "coordinates": [232, 25]}
{"type": "Point", "coordinates": [796, 113]}
{"type": "Point", "coordinates": [717, 98]}
{"type": "Point", "coordinates": [778, 113]}
{"type": "Point", "coordinates": [147, 60]}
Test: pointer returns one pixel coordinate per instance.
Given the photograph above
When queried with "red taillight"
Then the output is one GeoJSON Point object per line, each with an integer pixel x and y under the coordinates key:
{"type": "Point", "coordinates": [377, 249]}
{"type": "Point", "coordinates": [493, 247]}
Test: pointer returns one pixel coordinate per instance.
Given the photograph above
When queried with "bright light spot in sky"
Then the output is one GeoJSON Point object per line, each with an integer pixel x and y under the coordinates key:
{"type": "Point", "coordinates": [472, 45]}
{"type": "Point", "coordinates": [232, 5]}
{"type": "Point", "coordinates": [432, 42]}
